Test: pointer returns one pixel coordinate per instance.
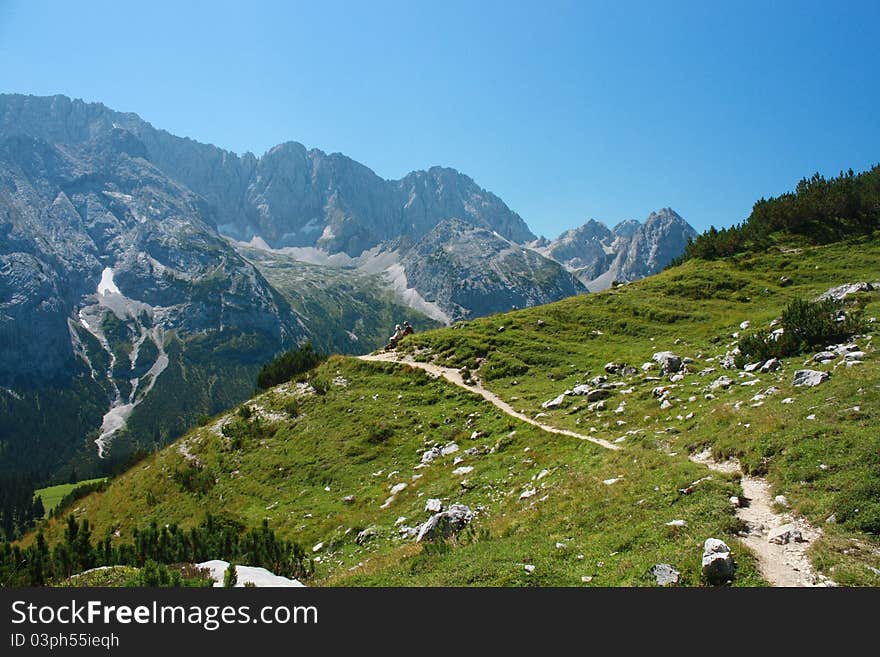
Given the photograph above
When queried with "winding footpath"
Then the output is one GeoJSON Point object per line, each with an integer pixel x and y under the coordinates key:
{"type": "Point", "coordinates": [454, 376]}
{"type": "Point", "coordinates": [781, 565]}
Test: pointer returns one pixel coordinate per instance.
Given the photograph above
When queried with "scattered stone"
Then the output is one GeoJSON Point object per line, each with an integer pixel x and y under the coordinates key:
{"type": "Point", "coordinates": [664, 574]}
{"type": "Point", "coordinates": [446, 523]}
{"type": "Point", "coordinates": [831, 519]}
{"type": "Point", "coordinates": [366, 536]}
{"type": "Point", "coordinates": [668, 361]}
{"type": "Point", "coordinates": [400, 520]}
{"type": "Point", "coordinates": [785, 534]}
{"type": "Point", "coordinates": [463, 470]}
{"type": "Point", "coordinates": [677, 523]}
{"type": "Point", "coordinates": [431, 454]}
{"type": "Point", "coordinates": [529, 568]}
{"type": "Point", "coordinates": [735, 502]}
{"type": "Point", "coordinates": [612, 367]}
{"type": "Point", "coordinates": [771, 365]}
{"type": "Point", "coordinates": [597, 394]}
{"type": "Point", "coordinates": [721, 382]}
{"type": "Point", "coordinates": [501, 329]}
{"type": "Point", "coordinates": [613, 480]}
{"type": "Point", "coordinates": [388, 502]}
{"type": "Point", "coordinates": [450, 448]}
{"type": "Point", "coordinates": [348, 499]}
{"type": "Point", "coordinates": [788, 400]}
{"type": "Point", "coordinates": [554, 403]}
{"type": "Point", "coordinates": [809, 378]}
{"type": "Point", "coordinates": [785, 281]}
{"type": "Point", "coordinates": [541, 322]}
{"type": "Point", "coordinates": [526, 494]}
{"type": "Point", "coordinates": [824, 356]}
{"type": "Point", "coordinates": [665, 404]}
{"type": "Point", "coordinates": [854, 355]}
{"type": "Point", "coordinates": [434, 505]}
{"type": "Point", "coordinates": [318, 547]}
{"type": "Point", "coordinates": [744, 325]}
{"type": "Point", "coordinates": [560, 546]}
{"type": "Point", "coordinates": [396, 488]}
{"type": "Point", "coordinates": [841, 292]}
{"type": "Point", "coordinates": [751, 367]}
{"type": "Point", "coordinates": [586, 579]}
{"type": "Point", "coordinates": [647, 366]}
{"type": "Point", "coordinates": [781, 500]}
{"type": "Point", "coordinates": [718, 566]}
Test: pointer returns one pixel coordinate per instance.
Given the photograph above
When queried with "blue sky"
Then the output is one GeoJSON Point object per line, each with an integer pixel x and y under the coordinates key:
{"type": "Point", "coordinates": [566, 110]}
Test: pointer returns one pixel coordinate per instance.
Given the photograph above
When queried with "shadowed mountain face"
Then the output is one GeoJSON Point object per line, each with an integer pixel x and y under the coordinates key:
{"type": "Point", "coordinates": [118, 295]}
{"type": "Point", "coordinates": [471, 271]}
{"type": "Point", "coordinates": [290, 196]}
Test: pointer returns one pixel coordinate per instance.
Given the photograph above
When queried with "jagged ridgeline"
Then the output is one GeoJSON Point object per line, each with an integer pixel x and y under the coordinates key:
{"type": "Point", "coordinates": [387, 475]}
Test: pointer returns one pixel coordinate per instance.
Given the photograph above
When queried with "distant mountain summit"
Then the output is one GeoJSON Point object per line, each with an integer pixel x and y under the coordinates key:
{"type": "Point", "coordinates": [291, 196]}
{"type": "Point", "coordinates": [597, 255]}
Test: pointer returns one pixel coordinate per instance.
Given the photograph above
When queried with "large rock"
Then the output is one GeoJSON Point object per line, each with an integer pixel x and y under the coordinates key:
{"type": "Point", "coordinates": [809, 378]}
{"type": "Point", "coordinates": [841, 292]}
{"type": "Point", "coordinates": [556, 402]}
{"type": "Point", "coordinates": [785, 534]}
{"type": "Point", "coordinates": [718, 565]}
{"type": "Point", "coordinates": [771, 365]}
{"type": "Point", "coordinates": [446, 523]}
{"type": "Point", "coordinates": [668, 361]}
{"type": "Point", "coordinates": [597, 394]}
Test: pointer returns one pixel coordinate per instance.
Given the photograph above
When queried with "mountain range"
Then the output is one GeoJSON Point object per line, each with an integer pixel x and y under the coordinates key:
{"type": "Point", "coordinates": [144, 277]}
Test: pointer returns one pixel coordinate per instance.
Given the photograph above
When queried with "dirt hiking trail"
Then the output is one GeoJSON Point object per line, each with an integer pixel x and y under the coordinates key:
{"type": "Point", "coordinates": [781, 564]}
{"type": "Point", "coordinates": [454, 376]}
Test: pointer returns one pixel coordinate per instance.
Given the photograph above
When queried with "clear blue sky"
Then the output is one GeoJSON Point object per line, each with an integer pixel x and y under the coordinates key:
{"type": "Point", "coordinates": [566, 110]}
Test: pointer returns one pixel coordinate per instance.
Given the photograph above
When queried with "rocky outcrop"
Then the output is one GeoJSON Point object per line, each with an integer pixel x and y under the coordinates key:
{"type": "Point", "coordinates": [632, 250]}
{"type": "Point", "coordinates": [445, 524]}
{"type": "Point", "coordinates": [470, 271]}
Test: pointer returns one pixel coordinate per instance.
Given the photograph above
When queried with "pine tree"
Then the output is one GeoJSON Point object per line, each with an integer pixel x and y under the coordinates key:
{"type": "Point", "coordinates": [230, 577]}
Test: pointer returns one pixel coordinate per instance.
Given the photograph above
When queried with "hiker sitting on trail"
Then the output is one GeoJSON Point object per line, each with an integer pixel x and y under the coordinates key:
{"type": "Point", "coordinates": [392, 341]}
{"type": "Point", "coordinates": [407, 328]}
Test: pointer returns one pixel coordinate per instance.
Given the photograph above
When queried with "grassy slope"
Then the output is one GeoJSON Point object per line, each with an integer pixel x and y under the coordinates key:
{"type": "Point", "coordinates": [694, 310]}
{"type": "Point", "coordinates": [52, 495]}
{"type": "Point", "coordinates": [361, 438]}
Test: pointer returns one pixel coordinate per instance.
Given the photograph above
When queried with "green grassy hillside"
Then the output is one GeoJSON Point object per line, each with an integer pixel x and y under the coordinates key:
{"type": "Point", "coordinates": [52, 495]}
{"type": "Point", "coordinates": [320, 459]}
